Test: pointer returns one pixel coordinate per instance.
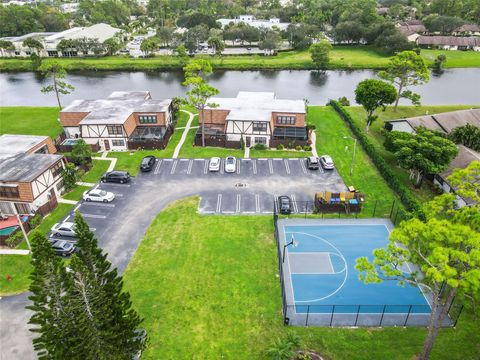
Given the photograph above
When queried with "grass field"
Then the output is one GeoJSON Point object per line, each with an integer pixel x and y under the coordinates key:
{"type": "Point", "coordinates": [19, 268]}
{"type": "Point", "coordinates": [426, 192]}
{"type": "Point", "coordinates": [341, 57]}
{"type": "Point", "coordinates": [207, 287]}
{"type": "Point", "coordinates": [98, 169]}
{"type": "Point", "coordinates": [330, 131]}
{"type": "Point", "coordinates": [76, 194]}
{"type": "Point", "coordinates": [30, 121]}
{"type": "Point", "coordinates": [279, 153]}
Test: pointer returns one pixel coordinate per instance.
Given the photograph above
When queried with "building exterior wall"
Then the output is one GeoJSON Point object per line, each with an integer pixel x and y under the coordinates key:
{"type": "Point", "coordinates": [98, 133]}
{"type": "Point", "coordinates": [216, 117]}
{"type": "Point", "coordinates": [130, 125]}
{"type": "Point", "coordinates": [68, 119]}
{"type": "Point", "coordinates": [51, 149]}
{"type": "Point", "coordinates": [299, 119]}
{"type": "Point", "coordinates": [162, 119]}
{"type": "Point", "coordinates": [401, 126]}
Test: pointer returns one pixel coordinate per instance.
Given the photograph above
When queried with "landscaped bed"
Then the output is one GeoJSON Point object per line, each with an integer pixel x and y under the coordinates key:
{"type": "Point", "coordinates": [208, 288]}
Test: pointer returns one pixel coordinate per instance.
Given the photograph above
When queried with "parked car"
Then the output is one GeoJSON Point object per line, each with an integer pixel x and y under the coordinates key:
{"type": "Point", "coordinates": [63, 248]}
{"type": "Point", "coordinates": [98, 195]}
{"type": "Point", "coordinates": [116, 176]}
{"type": "Point", "coordinates": [64, 229]}
{"type": "Point", "coordinates": [313, 163]}
{"type": "Point", "coordinates": [230, 164]}
{"type": "Point", "coordinates": [147, 164]}
{"type": "Point", "coordinates": [214, 164]}
{"type": "Point", "coordinates": [327, 162]}
{"type": "Point", "coordinates": [284, 205]}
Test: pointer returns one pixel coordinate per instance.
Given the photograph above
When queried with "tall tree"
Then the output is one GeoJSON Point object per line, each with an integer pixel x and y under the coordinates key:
{"type": "Point", "coordinates": [423, 152]}
{"type": "Point", "coordinates": [406, 69]}
{"type": "Point", "coordinates": [165, 35]}
{"type": "Point", "coordinates": [217, 44]}
{"type": "Point", "coordinates": [468, 135]}
{"type": "Point", "coordinates": [199, 90]}
{"type": "Point", "coordinates": [320, 54]}
{"type": "Point", "coordinates": [32, 44]}
{"type": "Point", "coordinates": [54, 71]}
{"type": "Point", "coordinates": [6, 45]}
{"type": "Point", "coordinates": [51, 316]}
{"type": "Point", "coordinates": [149, 45]}
{"type": "Point", "coordinates": [467, 181]}
{"type": "Point", "coordinates": [446, 252]}
{"type": "Point", "coordinates": [270, 42]}
{"type": "Point", "coordinates": [112, 45]}
{"type": "Point", "coordinates": [372, 94]}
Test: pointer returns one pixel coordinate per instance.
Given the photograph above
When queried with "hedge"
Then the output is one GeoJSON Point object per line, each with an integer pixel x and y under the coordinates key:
{"type": "Point", "coordinates": [403, 192]}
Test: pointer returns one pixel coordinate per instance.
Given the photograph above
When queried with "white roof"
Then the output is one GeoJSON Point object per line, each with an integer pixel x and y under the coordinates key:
{"type": "Point", "coordinates": [16, 144]}
{"type": "Point", "coordinates": [257, 106]}
{"type": "Point", "coordinates": [100, 31]}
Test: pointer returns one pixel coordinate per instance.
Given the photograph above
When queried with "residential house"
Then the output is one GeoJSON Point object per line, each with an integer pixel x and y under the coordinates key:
{"type": "Point", "coordinates": [467, 30]}
{"type": "Point", "coordinates": [125, 120]}
{"type": "Point", "coordinates": [257, 23]}
{"type": "Point", "coordinates": [258, 117]}
{"type": "Point", "coordinates": [30, 174]}
{"type": "Point", "coordinates": [412, 30]}
{"type": "Point", "coordinates": [50, 40]}
{"type": "Point", "coordinates": [449, 42]}
{"type": "Point", "coordinates": [444, 123]}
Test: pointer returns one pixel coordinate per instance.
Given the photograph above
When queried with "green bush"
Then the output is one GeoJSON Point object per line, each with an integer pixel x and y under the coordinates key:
{"type": "Point", "coordinates": [298, 148]}
{"type": "Point", "coordinates": [280, 147]}
{"type": "Point", "coordinates": [35, 221]}
{"type": "Point", "coordinates": [15, 239]}
{"type": "Point", "coordinates": [260, 147]}
{"type": "Point", "coordinates": [307, 148]}
{"type": "Point", "coordinates": [408, 200]}
{"type": "Point", "coordinates": [311, 127]}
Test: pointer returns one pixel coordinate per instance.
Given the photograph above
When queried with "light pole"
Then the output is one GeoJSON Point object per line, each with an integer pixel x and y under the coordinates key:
{"type": "Point", "coordinates": [353, 154]}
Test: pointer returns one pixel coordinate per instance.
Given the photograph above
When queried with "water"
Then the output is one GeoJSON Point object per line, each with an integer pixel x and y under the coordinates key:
{"type": "Point", "coordinates": [455, 86]}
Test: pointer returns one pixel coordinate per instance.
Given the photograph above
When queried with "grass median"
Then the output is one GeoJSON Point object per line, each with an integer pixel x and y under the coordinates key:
{"type": "Point", "coordinates": [208, 288]}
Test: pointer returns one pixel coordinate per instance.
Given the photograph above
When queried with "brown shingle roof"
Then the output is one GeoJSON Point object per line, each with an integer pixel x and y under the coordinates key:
{"type": "Point", "coordinates": [469, 27]}
{"type": "Point", "coordinates": [448, 40]}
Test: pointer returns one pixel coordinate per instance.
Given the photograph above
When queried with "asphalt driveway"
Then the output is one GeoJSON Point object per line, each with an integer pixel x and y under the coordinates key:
{"type": "Point", "coordinates": [121, 225]}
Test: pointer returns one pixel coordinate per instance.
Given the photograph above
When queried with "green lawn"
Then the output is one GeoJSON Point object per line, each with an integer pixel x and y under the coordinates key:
{"type": "Point", "coordinates": [130, 161]}
{"type": "Point", "coordinates": [358, 114]}
{"type": "Point", "coordinates": [54, 217]}
{"type": "Point", "coordinates": [98, 169]}
{"type": "Point", "coordinates": [19, 268]}
{"type": "Point", "coordinates": [76, 194]}
{"type": "Point", "coordinates": [342, 57]}
{"type": "Point", "coordinates": [30, 120]}
{"type": "Point", "coordinates": [208, 288]}
{"type": "Point", "coordinates": [279, 153]}
{"type": "Point", "coordinates": [330, 130]}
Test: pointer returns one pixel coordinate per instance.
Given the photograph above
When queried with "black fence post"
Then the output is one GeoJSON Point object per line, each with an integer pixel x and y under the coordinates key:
{"type": "Point", "coordinates": [308, 312]}
{"type": "Point", "coordinates": [393, 206]}
{"type": "Point", "coordinates": [383, 313]}
{"type": "Point", "coordinates": [408, 315]}
{"type": "Point", "coordinates": [375, 208]}
{"type": "Point", "coordinates": [358, 312]}
{"type": "Point", "coordinates": [331, 318]}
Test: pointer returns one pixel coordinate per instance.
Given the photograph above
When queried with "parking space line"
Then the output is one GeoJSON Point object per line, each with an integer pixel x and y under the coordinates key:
{"type": "Point", "coordinates": [257, 203]}
{"type": "Point", "coordinates": [183, 159]}
{"type": "Point", "coordinates": [205, 168]}
{"type": "Point", "coordinates": [99, 204]}
{"type": "Point", "coordinates": [239, 199]}
{"type": "Point", "coordinates": [255, 167]}
{"type": "Point", "coordinates": [199, 159]}
{"type": "Point", "coordinates": [228, 212]}
{"type": "Point", "coordinates": [238, 167]}
{"type": "Point", "coordinates": [190, 164]}
{"type": "Point", "coordinates": [77, 207]}
{"type": "Point", "coordinates": [167, 159]}
{"type": "Point", "coordinates": [157, 167]}
{"type": "Point", "coordinates": [270, 166]}
{"type": "Point", "coordinates": [294, 201]}
{"type": "Point", "coordinates": [304, 169]}
{"type": "Point", "coordinates": [287, 167]}
{"type": "Point", "coordinates": [219, 202]}
{"type": "Point", "coordinates": [66, 219]}
{"type": "Point", "coordinates": [95, 216]}
{"type": "Point", "coordinates": [173, 167]}
{"type": "Point", "coordinates": [277, 159]}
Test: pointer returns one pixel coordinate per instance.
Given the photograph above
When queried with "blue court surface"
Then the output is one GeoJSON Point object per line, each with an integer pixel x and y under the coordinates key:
{"type": "Point", "coordinates": [319, 269]}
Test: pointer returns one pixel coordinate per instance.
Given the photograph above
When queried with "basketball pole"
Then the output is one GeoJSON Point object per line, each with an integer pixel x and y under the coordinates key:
{"type": "Point", "coordinates": [292, 242]}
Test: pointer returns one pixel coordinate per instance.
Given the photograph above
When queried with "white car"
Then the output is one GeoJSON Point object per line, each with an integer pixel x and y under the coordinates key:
{"type": "Point", "coordinates": [98, 195]}
{"type": "Point", "coordinates": [230, 164]}
{"type": "Point", "coordinates": [214, 164]}
{"type": "Point", "coordinates": [327, 162]}
{"type": "Point", "coordinates": [64, 229]}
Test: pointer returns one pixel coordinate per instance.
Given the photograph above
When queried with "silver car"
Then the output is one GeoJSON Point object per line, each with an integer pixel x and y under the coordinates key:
{"type": "Point", "coordinates": [230, 164]}
{"type": "Point", "coordinates": [327, 162]}
{"type": "Point", "coordinates": [214, 164]}
{"type": "Point", "coordinates": [64, 229]}
{"type": "Point", "coordinates": [98, 195]}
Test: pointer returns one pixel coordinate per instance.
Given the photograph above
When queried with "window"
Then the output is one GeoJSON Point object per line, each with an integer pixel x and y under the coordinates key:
{"type": "Point", "coordinates": [60, 185]}
{"type": "Point", "coordinates": [147, 119]}
{"type": "Point", "coordinates": [114, 130]}
{"type": "Point", "coordinates": [118, 143]}
{"type": "Point", "coordinates": [17, 52]}
{"type": "Point", "coordinates": [260, 126]}
{"type": "Point", "coordinates": [261, 140]}
{"type": "Point", "coordinates": [9, 191]}
{"type": "Point", "coordinates": [23, 208]}
{"type": "Point", "coordinates": [286, 120]}
{"type": "Point", "coordinates": [52, 53]}
{"type": "Point", "coordinates": [57, 169]}
{"type": "Point", "coordinates": [28, 53]}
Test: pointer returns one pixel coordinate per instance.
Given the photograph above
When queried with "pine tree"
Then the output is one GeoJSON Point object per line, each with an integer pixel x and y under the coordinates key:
{"type": "Point", "coordinates": [49, 303]}
{"type": "Point", "coordinates": [103, 311]}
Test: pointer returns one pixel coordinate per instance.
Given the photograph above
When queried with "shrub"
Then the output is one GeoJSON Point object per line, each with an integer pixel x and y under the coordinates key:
{"type": "Point", "coordinates": [242, 143]}
{"type": "Point", "coordinates": [35, 221]}
{"type": "Point", "coordinates": [298, 148]}
{"type": "Point", "coordinates": [344, 101]}
{"type": "Point", "coordinates": [307, 148]}
{"type": "Point", "coordinates": [311, 127]}
{"type": "Point", "coordinates": [15, 239]}
{"type": "Point", "coordinates": [280, 147]}
{"type": "Point", "coordinates": [260, 147]}
{"type": "Point", "coordinates": [406, 197]}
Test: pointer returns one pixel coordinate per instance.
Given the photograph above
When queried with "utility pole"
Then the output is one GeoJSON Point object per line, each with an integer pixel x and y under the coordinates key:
{"type": "Point", "coordinates": [15, 212]}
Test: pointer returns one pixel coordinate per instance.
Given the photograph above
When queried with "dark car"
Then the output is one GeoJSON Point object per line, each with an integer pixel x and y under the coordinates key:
{"type": "Point", "coordinates": [284, 205]}
{"type": "Point", "coordinates": [313, 163]}
{"type": "Point", "coordinates": [63, 248]}
{"type": "Point", "coordinates": [147, 164]}
{"type": "Point", "coordinates": [116, 176]}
